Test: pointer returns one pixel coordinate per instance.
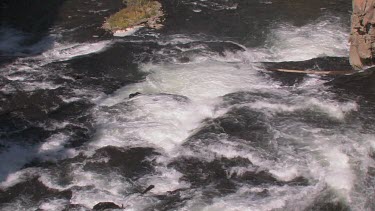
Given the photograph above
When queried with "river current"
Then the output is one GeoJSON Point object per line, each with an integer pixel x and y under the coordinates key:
{"type": "Point", "coordinates": [212, 128]}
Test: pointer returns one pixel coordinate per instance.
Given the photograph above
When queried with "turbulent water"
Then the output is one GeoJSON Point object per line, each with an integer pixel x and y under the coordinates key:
{"type": "Point", "coordinates": [212, 129]}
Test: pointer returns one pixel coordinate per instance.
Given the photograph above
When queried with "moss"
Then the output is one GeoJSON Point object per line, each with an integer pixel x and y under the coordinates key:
{"type": "Point", "coordinates": [136, 13]}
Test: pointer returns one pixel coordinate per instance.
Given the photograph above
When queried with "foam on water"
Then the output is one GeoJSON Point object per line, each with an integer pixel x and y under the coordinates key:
{"type": "Point", "coordinates": [19, 176]}
{"type": "Point", "coordinates": [16, 156]}
{"type": "Point", "coordinates": [27, 72]}
{"type": "Point", "coordinates": [247, 198]}
{"type": "Point", "coordinates": [24, 71]}
{"type": "Point", "coordinates": [166, 121]}
{"type": "Point", "coordinates": [176, 99]}
{"type": "Point", "coordinates": [58, 204]}
{"type": "Point", "coordinates": [333, 109]}
{"type": "Point", "coordinates": [325, 38]}
{"type": "Point", "coordinates": [101, 188]}
{"type": "Point", "coordinates": [339, 175]}
{"type": "Point", "coordinates": [127, 32]}
{"type": "Point", "coordinates": [53, 148]}
{"type": "Point", "coordinates": [143, 121]}
{"type": "Point", "coordinates": [202, 81]}
{"type": "Point", "coordinates": [62, 51]}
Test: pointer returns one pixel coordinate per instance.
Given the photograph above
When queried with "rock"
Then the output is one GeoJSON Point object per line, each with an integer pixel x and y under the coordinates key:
{"type": "Point", "coordinates": [184, 59]}
{"type": "Point", "coordinates": [34, 190]}
{"type": "Point", "coordinates": [75, 207]}
{"type": "Point", "coordinates": [105, 206]}
{"type": "Point", "coordinates": [132, 163]}
{"type": "Point", "coordinates": [134, 94]}
{"type": "Point", "coordinates": [145, 13]}
{"type": "Point", "coordinates": [362, 35]}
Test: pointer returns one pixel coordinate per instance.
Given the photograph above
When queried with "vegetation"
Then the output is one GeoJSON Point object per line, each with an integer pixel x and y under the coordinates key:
{"type": "Point", "coordinates": [136, 12]}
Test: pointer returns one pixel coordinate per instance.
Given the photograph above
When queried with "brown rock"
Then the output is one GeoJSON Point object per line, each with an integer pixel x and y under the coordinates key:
{"type": "Point", "coordinates": [362, 36]}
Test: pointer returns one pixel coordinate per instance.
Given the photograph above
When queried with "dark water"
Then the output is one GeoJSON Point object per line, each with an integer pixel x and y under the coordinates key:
{"type": "Point", "coordinates": [212, 129]}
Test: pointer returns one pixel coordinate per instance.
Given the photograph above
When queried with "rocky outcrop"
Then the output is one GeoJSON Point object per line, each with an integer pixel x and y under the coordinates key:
{"type": "Point", "coordinates": [106, 206]}
{"type": "Point", "coordinates": [362, 36]}
{"type": "Point", "coordinates": [137, 14]}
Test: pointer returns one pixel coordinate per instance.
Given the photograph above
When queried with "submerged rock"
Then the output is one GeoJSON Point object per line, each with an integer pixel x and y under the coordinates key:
{"type": "Point", "coordinates": [134, 94]}
{"type": "Point", "coordinates": [75, 207]}
{"type": "Point", "coordinates": [33, 190]}
{"type": "Point", "coordinates": [131, 163]}
{"type": "Point", "coordinates": [106, 206]}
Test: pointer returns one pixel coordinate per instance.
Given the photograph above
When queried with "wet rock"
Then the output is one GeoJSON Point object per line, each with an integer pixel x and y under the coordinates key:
{"type": "Point", "coordinates": [299, 181]}
{"type": "Point", "coordinates": [361, 83]}
{"type": "Point", "coordinates": [264, 193]}
{"type": "Point", "coordinates": [184, 59]}
{"type": "Point", "coordinates": [222, 47]}
{"type": "Point", "coordinates": [258, 178]}
{"type": "Point", "coordinates": [201, 173]}
{"type": "Point", "coordinates": [248, 97]}
{"type": "Point", "coordinates": [246, 125]}
{"type": "Point", "coordinates": [336, 64]}
{"type": "Point", "coordinates": [329, 206]}
{"type": "Point", "coordinates": [114, 73]}
{"type": "Point", "coordinates": [76, 207]}
{"type": "Point", "coordinates": [134, 94]}
{"type": "Point", "coordinates": [34, 105]}
{"type": "Point", "coordinates": [173, 200]}
{"type": "Point", "coordinates": [34, 190]}
{"type": "Point", "coordinates": [328, 202]}
{"type": "Point", "coordinates": [242, 123]}
{"type": "Point", "coordinates": [106, 206]}
{"type": "Point", "coordinates": [371, 171]}
{"type": "Point", "coordinates": [62, 170]}
{"type": "Point", "coordinates": [133, 163]}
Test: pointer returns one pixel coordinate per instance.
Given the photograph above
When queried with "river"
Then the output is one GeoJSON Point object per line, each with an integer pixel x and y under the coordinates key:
{"type": "Point", "coordinates": [212, 128]}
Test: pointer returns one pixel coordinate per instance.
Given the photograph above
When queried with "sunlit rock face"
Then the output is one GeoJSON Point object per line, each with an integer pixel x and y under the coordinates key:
{"type": "Point", "coordinates": [362, 35]}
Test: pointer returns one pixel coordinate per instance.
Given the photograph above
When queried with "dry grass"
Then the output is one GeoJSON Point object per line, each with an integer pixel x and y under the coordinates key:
{"type": "Point", "coordinates": [136, 12]}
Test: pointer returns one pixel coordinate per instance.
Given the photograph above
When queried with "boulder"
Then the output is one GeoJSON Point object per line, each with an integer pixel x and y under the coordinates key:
{"type": "Point", "coordinates": [106, 206]}
{"type": "Point", "coordinates": [134, 94]}
{"type": "Point", "coordinates": [362, 35]}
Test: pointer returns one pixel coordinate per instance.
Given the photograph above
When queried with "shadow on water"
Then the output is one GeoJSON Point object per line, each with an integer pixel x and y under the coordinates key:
{"type": "Point", "coordinates": [31, 27]}
{"type": "Point", "coordinates": [24, 24]}
{"type": "Point", "coordinates": [361, 84]}
{"type": "Point", "coordinates": [246, 21]}
{"type": "Point", "coordinates": [29, 118]}
{"type": "Point", "coordinates": [34, 17]}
